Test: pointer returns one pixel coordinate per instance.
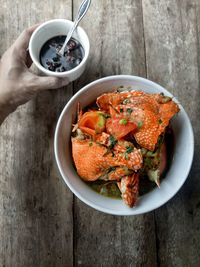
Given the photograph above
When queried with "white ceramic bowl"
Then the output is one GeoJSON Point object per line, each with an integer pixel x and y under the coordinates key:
{"type": "Point", "coordinates": [51, 29]}
{"type": "Point", "coordinates": [176, 175]}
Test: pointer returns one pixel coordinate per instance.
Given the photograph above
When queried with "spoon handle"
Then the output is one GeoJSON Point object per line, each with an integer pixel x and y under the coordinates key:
{"type": "Point", "coordinates": [81, 13]}
{"type": "Point", "coordinates": [82, 10]}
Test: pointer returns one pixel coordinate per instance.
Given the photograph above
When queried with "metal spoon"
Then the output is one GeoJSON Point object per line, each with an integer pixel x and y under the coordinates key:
{"type": "Point", "coordinates": [81, 13]}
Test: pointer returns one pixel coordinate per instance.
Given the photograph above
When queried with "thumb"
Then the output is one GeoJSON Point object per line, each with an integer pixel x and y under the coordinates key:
{"type": "Point", "coordinates": [45, 83]}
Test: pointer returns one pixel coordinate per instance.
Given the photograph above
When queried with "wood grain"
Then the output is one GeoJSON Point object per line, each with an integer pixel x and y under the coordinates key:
{"type": "Point", "coordinates": [36, 220]}
{"type": "Point", "coordinates": [41, 223]}
{"type": "Point", "coordinates": [117, 46]}
{"type": "Point", "coordinates": [172, 53]}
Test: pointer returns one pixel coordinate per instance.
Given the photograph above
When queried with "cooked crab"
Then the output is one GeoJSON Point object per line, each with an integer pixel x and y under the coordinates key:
{"type": "Point", "coordinates": [123, 139]}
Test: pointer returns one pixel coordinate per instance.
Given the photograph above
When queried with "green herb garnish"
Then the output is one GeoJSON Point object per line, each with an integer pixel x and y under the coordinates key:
{"type": "Point", "coordinates": [126, 101]}
{"type": "Point", "coordinates": [129, 110]}
{"type": "Point", "coordinates": [139, 125]}
{"type": "Point", "coordinates": [125, 156]}
{"type": "Point", "coordinates": [129, 149]}
{"type": "Point", "coordinates": [123, 121]}
{"type": "Point", "coordinates": [160, 121]}
{"type": "Point", "coordinates": [112, 142]}
{"type": "Point", "coordinates": [121, 110]}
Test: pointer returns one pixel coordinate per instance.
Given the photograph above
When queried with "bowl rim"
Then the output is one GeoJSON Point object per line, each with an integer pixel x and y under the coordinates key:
{"type": "Point", "coordinates": [52, 73]}
{"type": "Point", "coordinates": [65, 178]}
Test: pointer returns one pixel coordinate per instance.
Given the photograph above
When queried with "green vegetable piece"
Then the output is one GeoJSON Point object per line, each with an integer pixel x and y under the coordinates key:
{"type": "Point", "coordinates": [160, 121]}
{"type": "Point", "coordinates": [129, 110]}
{"type": "Point", "coordinates": [147, 162]}
{"type": "Point", "coordinates": [90, 143]}
{"type": "Point", "coordinates": [129, 149]}
{"type": "Point", "coordinates": [123, 121]}
{"type": "Point", "coordinates": [154, 176]}
{"type": "Point", "coordinates": [114, 191]}
{"type": "Point", "coordinates": [150, 154]}
{"type": "Point", "coordinates": [121, 110]}
{"type": "Point", "coordinates": [102, 120]}
{"type": "Point", "coordinates": [140, 124]}
{"type": "Point", "coordinates": [144, 151]}
{"type": "Point", "coordinates": [126, 156]}
{"type": "Point", "coordinates": [104, 190]}
{"type": "Point", "coordinates": [112, 142]}
{"type": "Point", "coordinates": [126, 101]}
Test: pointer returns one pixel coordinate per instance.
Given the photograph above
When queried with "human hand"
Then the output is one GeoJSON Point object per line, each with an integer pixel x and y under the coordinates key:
{"type": "Point", "coordinates": [17, 83]}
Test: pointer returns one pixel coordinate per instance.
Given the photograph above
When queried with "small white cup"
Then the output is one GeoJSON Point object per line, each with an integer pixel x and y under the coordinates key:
{"type": "Point", "coordinates": [49, 30]}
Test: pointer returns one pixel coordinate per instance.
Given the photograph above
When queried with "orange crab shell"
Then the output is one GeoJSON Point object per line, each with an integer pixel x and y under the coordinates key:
{"type": "Point", "coordinates": [113, 99]}
{"type": "Point", "coordinates": [92, 160]}
{"type": "Point", "coordinates": [149, 109]}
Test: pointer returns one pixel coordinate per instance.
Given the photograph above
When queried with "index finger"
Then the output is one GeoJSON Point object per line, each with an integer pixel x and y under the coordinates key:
{"type": "Point", "coordinates": [23, 40]}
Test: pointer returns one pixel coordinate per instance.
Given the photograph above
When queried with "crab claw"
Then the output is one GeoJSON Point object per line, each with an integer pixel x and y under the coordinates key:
{"type": "Point", "coordinates": [92, 160]}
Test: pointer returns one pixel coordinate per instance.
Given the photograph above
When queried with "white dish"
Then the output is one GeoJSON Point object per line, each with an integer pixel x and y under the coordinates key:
{"type": "Point", "coordinates": [176, 175]}
{"type": "Point", "coordinates": [51, 29]}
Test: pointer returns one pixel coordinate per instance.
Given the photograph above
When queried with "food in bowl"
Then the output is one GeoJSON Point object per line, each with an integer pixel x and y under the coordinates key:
{"type": "Point", "coordinates": [119, 144]}
{"type": "Point", "coordinates": [51, 59]}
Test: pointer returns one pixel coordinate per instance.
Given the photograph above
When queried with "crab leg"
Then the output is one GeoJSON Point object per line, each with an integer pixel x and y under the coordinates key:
{"type": "Point", "coordinates": [129, 188]}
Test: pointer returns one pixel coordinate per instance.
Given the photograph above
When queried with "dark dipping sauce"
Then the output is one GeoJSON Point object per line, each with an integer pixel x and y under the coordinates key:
{"type": "Point", "coordinates": [51, 60]}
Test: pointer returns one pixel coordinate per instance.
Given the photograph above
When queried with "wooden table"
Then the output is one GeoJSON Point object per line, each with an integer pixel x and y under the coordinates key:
{"type": "Point", "coordinates": [41, 222]}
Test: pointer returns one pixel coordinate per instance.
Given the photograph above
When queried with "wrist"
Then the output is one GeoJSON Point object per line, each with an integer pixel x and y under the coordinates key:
{"type": "Point", "coordinates": [5, 109]}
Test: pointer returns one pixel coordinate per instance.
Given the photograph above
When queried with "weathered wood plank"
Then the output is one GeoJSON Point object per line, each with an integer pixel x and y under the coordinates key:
{"type": "Point", "coordinates": [36, 220]}
{"type": "Point", "coordinates": [36, 224]}
{"type": "Point", "coordinates": [172, 49]}
{"type": "Point", "coordinates": [117, 46]}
